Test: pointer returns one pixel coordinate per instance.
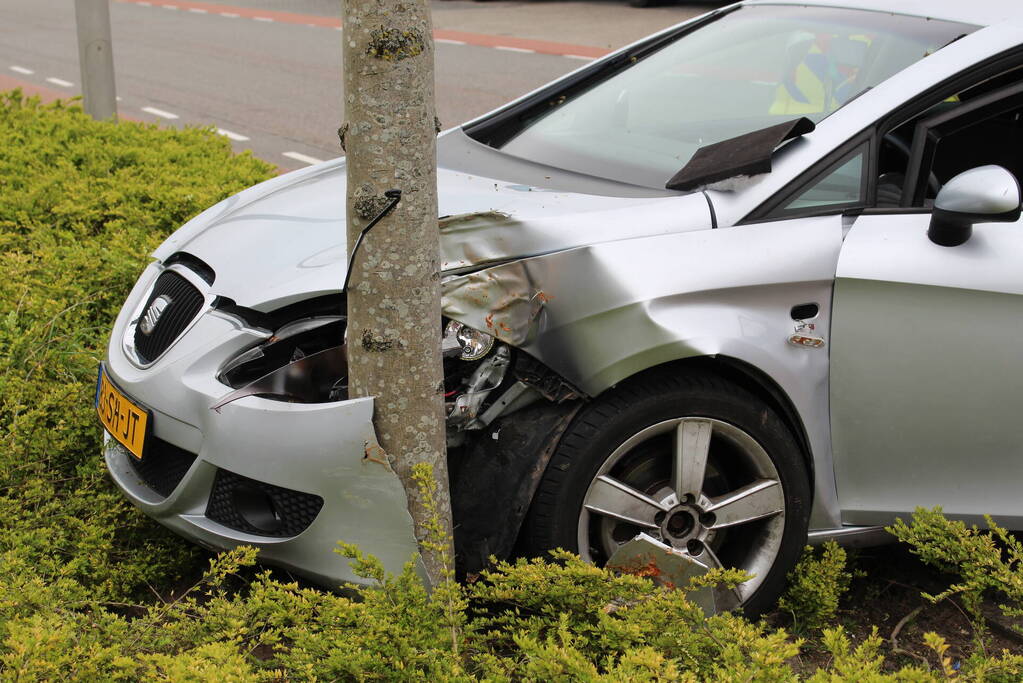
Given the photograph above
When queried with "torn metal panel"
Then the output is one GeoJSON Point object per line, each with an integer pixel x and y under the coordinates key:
{"type": "Point", "coordinates": [647, 557]}
{"type": "Point", "coordinates": [513, 302]}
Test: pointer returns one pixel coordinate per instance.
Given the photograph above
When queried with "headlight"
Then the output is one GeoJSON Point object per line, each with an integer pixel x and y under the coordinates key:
{"type": "Point", "coordinates": [472, 344]}
{"type": "Point", "coordinates": [304, 361]}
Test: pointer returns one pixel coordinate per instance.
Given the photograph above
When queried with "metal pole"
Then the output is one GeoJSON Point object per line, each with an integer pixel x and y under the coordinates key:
{"type": "Point", "coordinates": [96, 58]}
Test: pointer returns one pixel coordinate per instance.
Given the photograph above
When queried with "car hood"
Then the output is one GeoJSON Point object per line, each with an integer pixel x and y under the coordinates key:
{"type": "Point", "coordinates": [284, 240]}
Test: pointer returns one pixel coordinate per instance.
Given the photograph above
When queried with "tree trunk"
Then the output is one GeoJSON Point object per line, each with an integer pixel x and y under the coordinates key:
{"type": "Point", "coordinates": [394, 295]}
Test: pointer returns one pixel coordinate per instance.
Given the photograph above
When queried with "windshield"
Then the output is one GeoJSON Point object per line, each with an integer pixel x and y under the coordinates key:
{"type": "Point", "coordinates": [749, 69]}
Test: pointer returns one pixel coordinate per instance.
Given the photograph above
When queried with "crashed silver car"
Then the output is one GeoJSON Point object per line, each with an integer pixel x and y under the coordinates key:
{"type": "Point", "coordinates": [755, 279]}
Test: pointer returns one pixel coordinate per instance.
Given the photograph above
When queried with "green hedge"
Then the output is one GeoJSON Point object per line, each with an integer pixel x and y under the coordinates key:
{"type": "Point", "coordinates": [81, 205]}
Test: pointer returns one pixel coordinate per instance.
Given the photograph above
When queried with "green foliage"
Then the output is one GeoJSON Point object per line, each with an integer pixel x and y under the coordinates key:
{"type": "Point", "coordinates": [988, 560]}
{"type": "Point", "coordinates": [81, 205]}
{"type": "Point", "coordinates": [816, 585]}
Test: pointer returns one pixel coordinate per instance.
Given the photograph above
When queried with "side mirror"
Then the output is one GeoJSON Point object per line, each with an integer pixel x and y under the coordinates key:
{"type": "Point", "coordinates": [987, 194]}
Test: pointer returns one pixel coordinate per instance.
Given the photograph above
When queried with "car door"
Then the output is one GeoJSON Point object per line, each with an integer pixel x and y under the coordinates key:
{"type": "Point", "coordinates": [926, 390]}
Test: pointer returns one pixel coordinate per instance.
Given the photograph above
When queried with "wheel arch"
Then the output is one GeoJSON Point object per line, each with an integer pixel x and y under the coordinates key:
{"type": "Point", "coordinates": [724, 389]}
{"type": "Point", "coordinates": [752, 379]}
{"type": "Point", "coordinates": [523, 453]}
{"type": "Point", "coordinates": [760, 384]}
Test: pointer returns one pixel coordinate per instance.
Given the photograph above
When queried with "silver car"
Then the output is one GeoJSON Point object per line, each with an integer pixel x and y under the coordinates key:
{"type": "Point", "coordinates": [755, 279]}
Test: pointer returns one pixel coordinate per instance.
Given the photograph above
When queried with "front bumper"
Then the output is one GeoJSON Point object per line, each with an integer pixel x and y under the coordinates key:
{"type": "Point", "coordinates": [311, 451]}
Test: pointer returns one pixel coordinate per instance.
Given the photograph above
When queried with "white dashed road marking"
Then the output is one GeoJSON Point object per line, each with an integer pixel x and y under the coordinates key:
{"type": "Point", "coordinates": [303, 158]}
{"type": "Point", "coordinates": [22, 70]}
{"type": "Point", "coordinates": [238, 137]}
{"type": "Point", "coordinates": [232, 136]}
{"type": "Point", "coordinates": [551, 50]}
{"type": "Point", "coordinates": [159, 112]}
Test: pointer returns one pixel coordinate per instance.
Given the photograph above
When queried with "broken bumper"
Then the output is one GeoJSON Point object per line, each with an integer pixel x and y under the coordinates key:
{"type": "Point", "coordinates": [291, 479]}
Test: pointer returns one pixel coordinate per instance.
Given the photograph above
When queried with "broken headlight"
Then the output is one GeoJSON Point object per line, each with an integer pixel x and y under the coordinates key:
{"type": "Point", "coordinates": [304, 362]}
{"type": "Point", "coordinates": [472, 344]}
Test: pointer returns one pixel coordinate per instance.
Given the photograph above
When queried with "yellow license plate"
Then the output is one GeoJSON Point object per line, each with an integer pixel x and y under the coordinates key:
{"type": "Point", "coordinates": [121, 417]}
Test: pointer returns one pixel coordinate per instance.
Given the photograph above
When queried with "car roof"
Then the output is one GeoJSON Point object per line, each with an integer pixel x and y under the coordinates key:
{"type": "Point", "coordinates": [977, 12]}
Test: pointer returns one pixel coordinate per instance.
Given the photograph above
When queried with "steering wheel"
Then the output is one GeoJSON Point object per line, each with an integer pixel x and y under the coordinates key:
{"type": "Point", "coordinates": [897, 143]}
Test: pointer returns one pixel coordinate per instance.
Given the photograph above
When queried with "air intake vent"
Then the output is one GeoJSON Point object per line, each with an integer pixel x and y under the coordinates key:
{"type": "Point", "coordinates": [164, 466]}
{"type": "Point", "coordinates": [260, 508]}
{"type": "Point", "coordinates": [173, 304]}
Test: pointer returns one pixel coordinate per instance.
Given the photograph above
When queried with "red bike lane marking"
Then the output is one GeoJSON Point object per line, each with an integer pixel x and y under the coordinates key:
{"type": "Point", "coordinates": [30, 89]}
{"type": "Point", "coordinates": [477, 39]}
{"type": "Point", "coordinates": [45, 94]}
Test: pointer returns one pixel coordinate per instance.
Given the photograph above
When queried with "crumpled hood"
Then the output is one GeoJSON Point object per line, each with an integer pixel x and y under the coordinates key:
{"type": "Point", "coordinates": [284, 240]}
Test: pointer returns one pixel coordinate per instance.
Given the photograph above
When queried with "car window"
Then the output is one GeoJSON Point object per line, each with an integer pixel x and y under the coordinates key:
{"type": "Point", "coordinates": [979, 126]}
{"type": "Point", "coordinates": [749, 69]}
{"type": "Point", "coordinates": [840, 186]}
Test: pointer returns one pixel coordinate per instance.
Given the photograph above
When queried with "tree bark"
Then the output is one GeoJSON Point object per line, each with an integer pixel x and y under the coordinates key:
{"type": "Point", "coordinates": [394, 327]}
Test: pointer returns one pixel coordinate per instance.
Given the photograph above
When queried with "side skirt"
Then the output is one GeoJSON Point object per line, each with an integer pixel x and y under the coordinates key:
{"type": "Point", "coordinates": [851, 536]}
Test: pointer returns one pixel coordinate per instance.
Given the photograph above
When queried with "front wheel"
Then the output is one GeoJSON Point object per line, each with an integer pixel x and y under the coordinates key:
{"type": "Point", "coordinates": [694, 461]}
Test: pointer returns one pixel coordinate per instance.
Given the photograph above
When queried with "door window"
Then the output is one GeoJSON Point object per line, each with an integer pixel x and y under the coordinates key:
{"type": "Point", "coordinates": [976, 127]}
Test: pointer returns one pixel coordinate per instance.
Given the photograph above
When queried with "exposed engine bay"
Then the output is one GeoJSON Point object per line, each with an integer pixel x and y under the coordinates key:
{"type": "Point", "coordinates": [484, 379]}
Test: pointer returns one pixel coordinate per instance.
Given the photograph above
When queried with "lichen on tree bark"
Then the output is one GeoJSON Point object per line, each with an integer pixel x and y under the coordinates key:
{"type": "Point", "coordinates": [394, 296]}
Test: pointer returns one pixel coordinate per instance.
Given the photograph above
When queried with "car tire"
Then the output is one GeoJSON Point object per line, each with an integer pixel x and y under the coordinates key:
{"type": "Point", "coordinates": [616, 462]}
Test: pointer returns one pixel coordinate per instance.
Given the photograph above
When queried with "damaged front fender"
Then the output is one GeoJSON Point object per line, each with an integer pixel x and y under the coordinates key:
{"type": "Point", "coordinates": [512, 300]}
{"type": "Point", "coordinates": [600, 313]}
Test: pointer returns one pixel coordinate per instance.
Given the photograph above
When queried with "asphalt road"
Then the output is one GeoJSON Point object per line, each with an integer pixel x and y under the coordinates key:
{"type": "Point", "coordinates": [267, 73]}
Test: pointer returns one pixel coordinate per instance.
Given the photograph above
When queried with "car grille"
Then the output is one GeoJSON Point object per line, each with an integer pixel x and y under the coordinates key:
{"type": "Point", "coordinates": [163, 467]}
{"type": "Point", "coordinates": [259, 508]}
{"type": "Point", "coordinates": [185, 303]}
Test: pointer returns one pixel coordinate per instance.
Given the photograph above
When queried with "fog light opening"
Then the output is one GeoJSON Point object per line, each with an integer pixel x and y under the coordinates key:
{"type": "Point", "coordinates": [257, 508]}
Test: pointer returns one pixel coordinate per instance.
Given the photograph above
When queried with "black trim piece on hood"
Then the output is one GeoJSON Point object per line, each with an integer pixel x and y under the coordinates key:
{"type": "Point", "coordinates": [326, 304]}
{"type": "Point", "coordinates": [249, 316]}
{"type": "Point", "coordinates": [503, 125]}
{"type": "Point", "coordinates": [193, 263]}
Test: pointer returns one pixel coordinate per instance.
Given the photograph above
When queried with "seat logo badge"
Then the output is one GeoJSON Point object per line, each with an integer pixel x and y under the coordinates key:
{"type": "Point", "coordinates": [806, 335]}
{"type": "Point", "coordinates": [153, 313]}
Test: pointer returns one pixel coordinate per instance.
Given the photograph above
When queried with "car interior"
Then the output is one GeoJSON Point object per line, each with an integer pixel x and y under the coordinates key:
{"type": "Point", "coordinates": [981, 125]}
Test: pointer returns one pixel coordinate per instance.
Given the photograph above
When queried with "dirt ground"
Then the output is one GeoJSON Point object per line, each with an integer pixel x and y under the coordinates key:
{"type": "Point", "coordinates": [887, 593]}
